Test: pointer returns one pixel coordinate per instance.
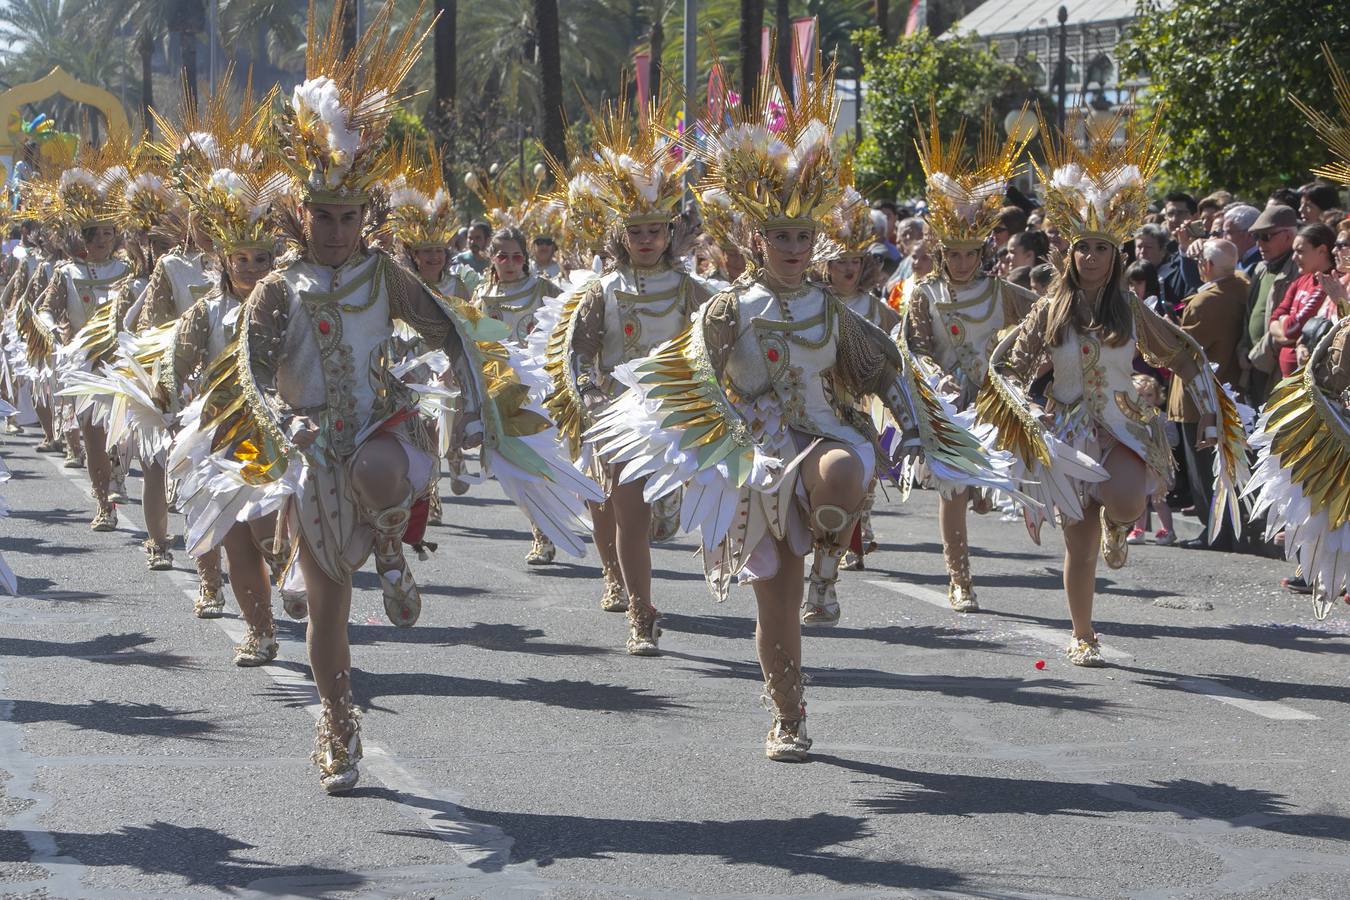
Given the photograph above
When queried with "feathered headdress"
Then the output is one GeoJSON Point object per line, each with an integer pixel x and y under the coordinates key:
{"type": "Point", "coordinates": [774, 159]}
{"type": "Point", "coordinates": [421, 211]}
{"type": "Point", "coordinates": [722, 221]}
{"type": "Point", "coordinates": [215, 132]}
{"type": "Point", "coordinates": [576, 212]}
{"type": "Point", "coordinates": [1099, 190]}
{"type": "Point", "coordinates": [848, 228]}
{"type": "Point", "coordinates": [220, 158]}
{"type": "Point", "coordinates": [1336, 134]}
{"type": "Point", "coordinates": [86, 190]}
{"type": "Point", "coordinates": [965, 190]}
{"type": "Point", "coordinates": [332, 126]}
{"type": "Point", "coordinates": [640, 173]}
{"type": "Point", "coordinates": [501, 205]}
{"type": "Point", "coordinates": [148, 203]}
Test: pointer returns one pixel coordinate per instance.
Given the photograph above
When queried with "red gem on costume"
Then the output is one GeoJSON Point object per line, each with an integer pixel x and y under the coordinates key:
{"type": "Point", "coordinates": [956, 329]}
{"type": "Point", "coordinates": [86, 298]}
{"type": "Point", "coordinates": [772, 354]}
{"type": "Point", "coordinates": [1040, 664]}
{"type": "Point", "coordinates": [1087, 350]}
{"type": "Point", "coordinates": [338, 426]}
{"type": "Point", "coordinates": [324, 327]}
{"type": "Point", "coordinates": [628, 329]}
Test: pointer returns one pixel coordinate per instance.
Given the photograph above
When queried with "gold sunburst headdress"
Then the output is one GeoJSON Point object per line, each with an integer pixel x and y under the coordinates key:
{"type": "Point", "coordinates": [639, 170]}
{"type": "Point", "coordinates": [333, 124]}
{"type": "Point", "coordinates": [505, 205]}
{"type": "Point", "coordinates": [84, 193]}
{"type": "Point", "coordinates": [965, 188]}
{"type": "Point", "coordinates": [578, 216]}
{"type": "Point", "coordinates": [218, 131]}
{"type": "Point", "coordinates": [722, 221]}
{"type": "Point", "coordinates": [775, 158]}
{"type": "Point", "coordinates": [148, 202]}
{"type": "Point", "coordinates": [1099, 189]}
{"type": "Point", "coordinates": [847, 231]}
{"type": "Point", "coordinates": [1335, 134]}
{"type": "Point", "coordinates": [422, 213]}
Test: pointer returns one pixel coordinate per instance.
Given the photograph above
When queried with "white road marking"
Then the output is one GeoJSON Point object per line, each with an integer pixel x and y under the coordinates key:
{"type": "Point", "coordinates": [1268, 709]}
{"type": "Point", "coordinates": [1215, 690]}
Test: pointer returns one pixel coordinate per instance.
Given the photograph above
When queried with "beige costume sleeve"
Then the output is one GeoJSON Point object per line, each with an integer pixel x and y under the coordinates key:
{"type": "Point", "coordinates": [1028, 350]}
{"type": "Point", "coordinates": [158, 307]}
{"type": "Point", "coordinates": [586, 338]}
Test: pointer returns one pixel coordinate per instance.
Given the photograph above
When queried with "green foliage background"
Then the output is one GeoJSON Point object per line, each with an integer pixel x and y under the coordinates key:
{"type": "Point", "coordinates": [1221, 74]}
{"type": "Point", "coordinates": [958, 71]}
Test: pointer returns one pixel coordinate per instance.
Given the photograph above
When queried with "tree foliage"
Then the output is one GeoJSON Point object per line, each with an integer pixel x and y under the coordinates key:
{"type": "Point", "coordinates": [959, 73]}
{"type": "Point", "coordinates": [1221, 75]}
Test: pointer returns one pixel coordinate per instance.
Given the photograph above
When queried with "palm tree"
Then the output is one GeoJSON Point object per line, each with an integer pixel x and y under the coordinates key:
{"type": "Point", "coordinates": [883, 20]}
{"type": "Point", "coordinates": [148, 21]}
{"type": "Point", "coordinates": [187, 18]}
{"type": "Point", "coordinates": [550, 78]}
{"type": "Point", "coordinates": [268, 35]}
{"type": "Point", "coordinates": [443, 48]}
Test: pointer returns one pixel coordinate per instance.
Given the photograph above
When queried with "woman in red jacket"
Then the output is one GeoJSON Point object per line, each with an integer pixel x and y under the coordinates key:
{"type": "Point", "coordinates": [1305, 294]}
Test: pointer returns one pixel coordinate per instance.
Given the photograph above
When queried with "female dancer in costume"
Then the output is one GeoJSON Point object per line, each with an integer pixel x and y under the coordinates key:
{"type": "Point", "coordinates": [755, 407]}
{"type": "Point", "coordinates": [639, 302]}
{"type": "Point", "coordinates": [314, 411]}
{"type": "Point", "coordinates": [82, 203]}
{"type": "Point", "coordinates": [851, 272]}
{"type": "Point", "coordinates": [1090, 327]}
{"type": "Point", "coordinates": [955, 316]}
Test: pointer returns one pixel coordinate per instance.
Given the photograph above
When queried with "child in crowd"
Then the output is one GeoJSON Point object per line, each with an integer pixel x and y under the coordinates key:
{"type": "Point", "coordinates": [1151, 393]}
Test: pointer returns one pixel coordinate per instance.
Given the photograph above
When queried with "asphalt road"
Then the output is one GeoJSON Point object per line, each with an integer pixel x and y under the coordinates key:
{"type": "Point", "coordinates": [513, 749]}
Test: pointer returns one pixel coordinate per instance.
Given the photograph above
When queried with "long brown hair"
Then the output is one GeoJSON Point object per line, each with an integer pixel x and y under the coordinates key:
{"type": "Point", "coordinates": [1112, 317]}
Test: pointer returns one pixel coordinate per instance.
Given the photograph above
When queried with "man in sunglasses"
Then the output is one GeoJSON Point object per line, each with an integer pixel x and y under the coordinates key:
{"type": "Point", "coordinates": [1274, 232]}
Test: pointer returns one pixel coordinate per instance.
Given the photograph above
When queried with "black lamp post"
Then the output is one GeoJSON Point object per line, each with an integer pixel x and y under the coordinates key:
{"type": "Point", "coordinates": [1063, 69]}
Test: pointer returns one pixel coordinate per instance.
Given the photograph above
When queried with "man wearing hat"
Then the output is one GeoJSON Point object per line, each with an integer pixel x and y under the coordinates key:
{"type": "Point", "coordinates": [1274, 231]}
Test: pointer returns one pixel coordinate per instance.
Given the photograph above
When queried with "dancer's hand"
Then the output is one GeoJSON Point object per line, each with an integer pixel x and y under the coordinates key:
{"type": "Point", "coordinates": [1207, 434]}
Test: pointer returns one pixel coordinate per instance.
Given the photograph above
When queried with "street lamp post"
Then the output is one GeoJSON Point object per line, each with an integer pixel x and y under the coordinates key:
{"type": "Point", "coordinates": [1063, 66]}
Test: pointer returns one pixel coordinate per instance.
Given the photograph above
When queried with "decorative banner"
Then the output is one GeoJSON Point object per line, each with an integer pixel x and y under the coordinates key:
{"type": "Point", "coordinates": [916, 17]}
{"type": "Point", "coordinates": [642, 71]}
{"type": "Point", "coordinates": [803, 46]}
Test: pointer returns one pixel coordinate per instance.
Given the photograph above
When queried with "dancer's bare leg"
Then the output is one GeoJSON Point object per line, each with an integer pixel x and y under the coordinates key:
{"type": "Point", "coordinates": [615, 597]}
{"type": "Point", "coordinates": [633, 522]}
{"type": "Point", "coordinates": [385, 496]}
{"type": "Point", "coordinates": [832, 476]}
{"type": "Point", "coordinates": [100, 473]}
{"type": "Point", "coordinates": [249, 578]}
{"type": "Point", "coordinates": [155, 508]}
{"type": "Point", "coordinates": [952, 517]}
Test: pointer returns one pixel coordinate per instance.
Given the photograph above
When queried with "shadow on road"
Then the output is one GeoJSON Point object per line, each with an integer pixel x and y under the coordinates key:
{"type": "Point", "coordinates": [502, 637]}
{"type": "Point", "coordinates": [1045, 693]}
{"type": "Point", "coordinates": [947, 794]}
{"type": "Point", "coordinates": [562, 693]}
{"type": "Point", "coordinates": [804, 845]}
{"type": "Point", "coordinates": [108, 649]}
{"type": "Point", "coordinates": [200, 856]}
{"type": "Point", "coordinates": [112, 717]}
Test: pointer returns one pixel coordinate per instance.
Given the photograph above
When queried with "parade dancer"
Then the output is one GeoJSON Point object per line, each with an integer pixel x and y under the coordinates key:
{"type": "Point", "coordinates": [512, 294]}
{"type": "Point", "coordinates": [82, 204]}
{"type": "Point", "coordinates": [755, 406]}
{"type": "Point", "coordinates": [1089, 328]}
{"type": "Point", "coordinates": [231, 202]}
{"type": "Point", "coordinates": [955, 316]}
{"type": "Point", "coordinates": [314, 414]}
{"type": "Point", "coordinates": [851, 273]}
{"type": "Point", "coordinates": [641, 301]}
